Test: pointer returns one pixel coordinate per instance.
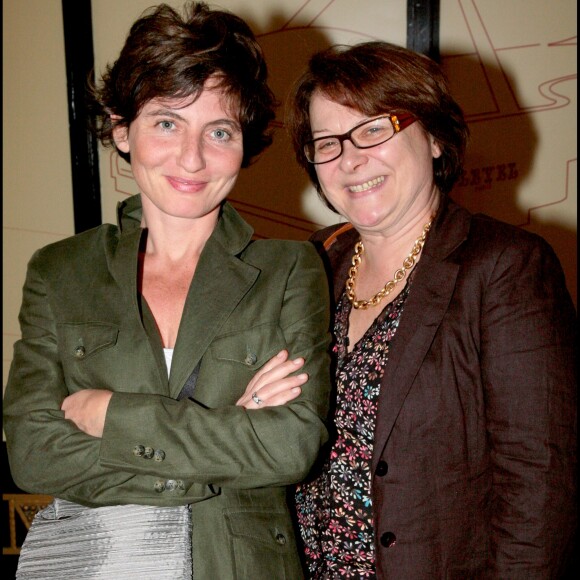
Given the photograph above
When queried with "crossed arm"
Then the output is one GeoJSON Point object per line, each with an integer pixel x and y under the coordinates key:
{"type": "Point", "coordinates": [273, 385]}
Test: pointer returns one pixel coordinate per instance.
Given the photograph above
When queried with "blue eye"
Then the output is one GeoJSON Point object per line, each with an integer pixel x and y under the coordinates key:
{"type": "Point", "coordinates": [221, 134]}
{"type": "Point", "coordinates": [166, 125]}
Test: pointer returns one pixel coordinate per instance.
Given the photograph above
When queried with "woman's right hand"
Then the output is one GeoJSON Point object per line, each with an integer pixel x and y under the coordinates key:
{"type": "Point", "coordinates": [274, 383]}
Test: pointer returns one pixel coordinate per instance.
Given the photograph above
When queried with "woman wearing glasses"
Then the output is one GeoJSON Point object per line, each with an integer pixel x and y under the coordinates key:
{"type": "Point", "coordinates": [453, 452]}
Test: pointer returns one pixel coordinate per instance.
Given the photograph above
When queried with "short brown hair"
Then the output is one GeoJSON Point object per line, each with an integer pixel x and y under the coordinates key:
{"type": "Point", "coordinates": [376, 78]}
{"type": "Point", "coordinates": [166, 56]}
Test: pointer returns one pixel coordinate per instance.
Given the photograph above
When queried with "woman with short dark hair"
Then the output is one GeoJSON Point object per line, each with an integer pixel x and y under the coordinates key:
{"type": "Point", "coordinates": [172, 360]}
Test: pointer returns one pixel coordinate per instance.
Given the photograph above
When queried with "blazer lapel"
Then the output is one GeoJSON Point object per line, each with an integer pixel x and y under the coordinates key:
{"type": "Point", "coordinates": [123, 265]}
{"type": "Point", "coordinates": [422, 314]}
{"type": "Point", "coordinates": [220, 282]}
{"type": "Point", "coordinates": [123, 261]}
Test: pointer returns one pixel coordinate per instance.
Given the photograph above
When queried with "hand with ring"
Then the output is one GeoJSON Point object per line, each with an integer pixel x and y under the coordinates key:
{"type": "Point", "coordinates": [274, 384]}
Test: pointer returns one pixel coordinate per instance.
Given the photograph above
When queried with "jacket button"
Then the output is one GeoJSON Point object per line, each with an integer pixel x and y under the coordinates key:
{"type": "Point", "coordinates": [382, 468]}
{"type": "Point", "coordinates": [159, 486]}
{"type": "Point", "coordinates": [159, 455]}
{"type": "Point", "coordinates": [250, 359]}
{"type": "Point", "coordinates": [80, 351]}
{"type": "Point", "coordinates": [138, 450]}
{"type": "Point", "coordinates": [171, 485]}
{"type": "Point", "coordinates": [388, 539]}
{"type": "Point", "coordinates": [148, 453]}
{"type": "Point", "coordinates": [281, 539]}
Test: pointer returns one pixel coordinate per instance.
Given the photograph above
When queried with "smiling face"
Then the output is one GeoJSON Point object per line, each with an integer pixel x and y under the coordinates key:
{"type": "Point", "coordinates": [185, 159]}
{"type": "Point", "coordinates": [380, 187]}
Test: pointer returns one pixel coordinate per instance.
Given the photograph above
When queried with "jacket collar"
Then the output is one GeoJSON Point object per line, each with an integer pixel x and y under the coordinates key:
{"type": "Point", "coordinates": [220, 282]}
{"type": "Point", "coordinates": [336, 243]}
{"type": "Point", "coordinates": [231, 231]}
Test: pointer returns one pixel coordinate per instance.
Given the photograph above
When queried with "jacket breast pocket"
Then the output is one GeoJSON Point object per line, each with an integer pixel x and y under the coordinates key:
{"type": "Point", "coordinates": [232, 360]}
{"type": "Point", "coordinates": [84, 350]}
{"type": "Point", "coordinates": [251, 347]}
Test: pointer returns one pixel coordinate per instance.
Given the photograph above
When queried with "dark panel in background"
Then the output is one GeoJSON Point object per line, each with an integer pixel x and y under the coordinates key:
{"type": "Point", "coordinates": [79, 58]}
{"type": "Point", "coordinates": [423, 27]}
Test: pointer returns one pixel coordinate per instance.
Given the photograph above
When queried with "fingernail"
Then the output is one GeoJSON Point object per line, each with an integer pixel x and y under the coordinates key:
{"type": "Point", "coordinates": [298, 361]}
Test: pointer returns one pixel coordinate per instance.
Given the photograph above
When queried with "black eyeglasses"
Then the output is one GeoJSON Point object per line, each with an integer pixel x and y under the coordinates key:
{"type": "Point", "coordinates": [368, 134]}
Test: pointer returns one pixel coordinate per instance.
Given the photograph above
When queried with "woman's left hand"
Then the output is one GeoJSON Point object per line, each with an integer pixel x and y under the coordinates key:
{"type": "Point", "coordinates": [274, 384]}
{"type": "Point", "coordinates": [87, 410]}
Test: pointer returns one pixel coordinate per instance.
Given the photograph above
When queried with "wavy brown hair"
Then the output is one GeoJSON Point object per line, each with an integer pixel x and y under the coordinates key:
{"type": "Point", "coordinates": [375, 78]}
{"type": "Point", "coordinates": [169, 56]}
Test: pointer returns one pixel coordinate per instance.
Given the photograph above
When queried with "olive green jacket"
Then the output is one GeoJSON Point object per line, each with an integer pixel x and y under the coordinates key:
{"type": "Point", "coordinates": [84, 326]}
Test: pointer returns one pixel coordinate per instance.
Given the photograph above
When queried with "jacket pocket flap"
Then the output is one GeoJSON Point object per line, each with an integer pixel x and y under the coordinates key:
{"type": "Point", "coordinates": [251, 347]}
{"type": "Point", "coordinates": [270, 527]}
{"type": "Point", "coordinates": [81, 340]}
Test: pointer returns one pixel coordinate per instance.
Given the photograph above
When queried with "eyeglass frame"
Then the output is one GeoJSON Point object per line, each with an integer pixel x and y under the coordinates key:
{"type": "Point", "coordinates": [398, 121]}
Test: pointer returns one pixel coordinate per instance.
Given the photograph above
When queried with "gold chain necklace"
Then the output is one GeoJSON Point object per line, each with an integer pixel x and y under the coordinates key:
{"type": "Point", "coordinates": [399, 275]}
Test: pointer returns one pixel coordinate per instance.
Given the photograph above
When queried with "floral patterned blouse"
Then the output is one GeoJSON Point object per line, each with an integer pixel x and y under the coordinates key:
{"type": "Point", "coordinates": [334, 509]}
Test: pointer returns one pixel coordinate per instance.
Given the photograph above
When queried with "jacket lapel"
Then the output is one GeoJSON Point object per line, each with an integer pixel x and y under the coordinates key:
{"type": "Point", "coordinates": [123, 261]}
{"type": "Point", "coordinates": [123, 265]}
{"type": "Point", "coordinates": [220, 282]}
{"type": "Point", "coordinates": [423, 312]}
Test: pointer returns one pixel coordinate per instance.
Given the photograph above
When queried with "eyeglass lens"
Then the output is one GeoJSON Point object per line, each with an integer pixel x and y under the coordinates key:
{"type": "Point", "coordinates": [367, 134]}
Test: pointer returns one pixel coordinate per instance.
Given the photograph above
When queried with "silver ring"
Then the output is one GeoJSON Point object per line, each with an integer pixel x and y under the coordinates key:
{"type": "Point", "coordinates": [256, 399]}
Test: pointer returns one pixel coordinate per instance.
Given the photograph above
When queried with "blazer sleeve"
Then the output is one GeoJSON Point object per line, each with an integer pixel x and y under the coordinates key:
{"type": "Point", "coordinates": [47, 453]}
{"type": "Point", "coordinates": [229, 446]}
{"type": "Point", "coordinates": [528, 369]}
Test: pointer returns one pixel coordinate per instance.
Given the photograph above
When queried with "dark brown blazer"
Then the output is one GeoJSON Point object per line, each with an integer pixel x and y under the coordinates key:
{"type": "Point", "coordinates": [474, 460]}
